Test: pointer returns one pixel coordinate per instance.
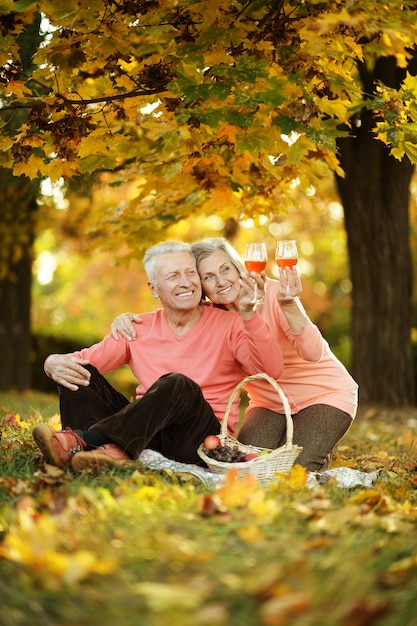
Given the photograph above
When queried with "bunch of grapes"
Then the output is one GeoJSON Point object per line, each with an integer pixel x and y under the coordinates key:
{"type": "Point", "coordinates": [226, 454]}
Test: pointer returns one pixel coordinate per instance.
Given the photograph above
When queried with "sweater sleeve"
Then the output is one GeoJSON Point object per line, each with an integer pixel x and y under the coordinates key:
{"type": "Point", "coordinates": [107, 355]}
{"type": "Point", "coordinates": [309, 344]}
{"type": "Point", "coordinates": [255, 348]}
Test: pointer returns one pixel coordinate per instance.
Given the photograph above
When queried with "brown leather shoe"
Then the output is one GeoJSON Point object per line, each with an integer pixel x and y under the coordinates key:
{"type": "Point", "coordinates": [103, 457]}
{"type": "Point", "coordinates": [57, 446]}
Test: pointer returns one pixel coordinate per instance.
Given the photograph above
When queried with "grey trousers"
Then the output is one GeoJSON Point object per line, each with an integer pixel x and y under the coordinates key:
{"type": "Point", "coordinates": [317, 428]}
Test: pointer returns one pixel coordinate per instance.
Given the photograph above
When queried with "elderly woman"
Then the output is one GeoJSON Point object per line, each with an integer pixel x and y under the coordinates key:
{"type": "Point", "coordinates": [323, 396]}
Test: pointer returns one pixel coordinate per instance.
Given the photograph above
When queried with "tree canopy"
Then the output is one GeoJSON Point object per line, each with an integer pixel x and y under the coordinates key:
{"type": "Point", "coordinates": [221, 105]}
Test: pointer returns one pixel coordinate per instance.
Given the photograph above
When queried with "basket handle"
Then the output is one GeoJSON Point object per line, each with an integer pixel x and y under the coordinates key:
{"type": "Point", "coordinates": [275, 385]}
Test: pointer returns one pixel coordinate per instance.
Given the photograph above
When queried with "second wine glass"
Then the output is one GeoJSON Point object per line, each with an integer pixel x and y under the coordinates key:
{"type": "Point", "coordinates": [286, 255]}
{"type": "Point", "coordinates": [256, 258]}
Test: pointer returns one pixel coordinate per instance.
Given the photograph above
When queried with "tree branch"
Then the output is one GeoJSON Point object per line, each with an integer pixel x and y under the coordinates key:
{"type": "Point", "coordinates": [62, 99]}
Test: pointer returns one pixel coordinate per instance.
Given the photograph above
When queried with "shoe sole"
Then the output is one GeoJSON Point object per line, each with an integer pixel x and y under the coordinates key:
{"type": "Point", "coordinates": [94, 461]}
{"type": "Point", "coordinates": [43, 436]}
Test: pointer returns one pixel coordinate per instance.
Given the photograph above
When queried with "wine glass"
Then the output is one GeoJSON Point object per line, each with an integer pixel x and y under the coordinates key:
{"type": "Point", "coordinates": [256, 258]}
{"type": "Point", "coordinates": [286, 254]}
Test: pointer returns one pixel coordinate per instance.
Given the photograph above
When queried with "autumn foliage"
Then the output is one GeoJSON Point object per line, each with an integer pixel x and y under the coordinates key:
{"type": "Point", "coordinates": [223, 103]}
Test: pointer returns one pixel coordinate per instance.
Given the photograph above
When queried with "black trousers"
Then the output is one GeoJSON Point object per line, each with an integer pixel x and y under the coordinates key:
{"type": "Point", "coordinates": [172, 417]}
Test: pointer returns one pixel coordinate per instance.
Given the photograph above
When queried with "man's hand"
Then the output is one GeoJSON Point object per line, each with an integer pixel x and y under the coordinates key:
{"type": "Point", "coordinates": [123, 325]}
{"type": "Point", "coordinates": [67, 370]}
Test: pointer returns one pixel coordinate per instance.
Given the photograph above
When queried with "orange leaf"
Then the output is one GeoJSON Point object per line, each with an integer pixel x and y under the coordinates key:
{"type": "Point", "coordinates": [10, 420]}
{"type": "Point", "coordinates": [237, 491]}
{"type": "Point", "coordinates": [18, 88]}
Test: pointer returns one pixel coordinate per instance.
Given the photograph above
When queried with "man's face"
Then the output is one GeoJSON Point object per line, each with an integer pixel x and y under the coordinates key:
{"type": "Point", "coordinates": [176, 282]}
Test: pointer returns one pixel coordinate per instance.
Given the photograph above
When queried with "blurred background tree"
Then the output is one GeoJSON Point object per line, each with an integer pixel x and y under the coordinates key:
{"type": "Point", "coordinates": [241, 111]}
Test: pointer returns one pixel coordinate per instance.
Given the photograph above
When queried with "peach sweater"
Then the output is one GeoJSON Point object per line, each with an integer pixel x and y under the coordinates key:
{"type": "Point", "coordinates": [217, 353]}
{"type": "Point", "coordinates": [312, 374]}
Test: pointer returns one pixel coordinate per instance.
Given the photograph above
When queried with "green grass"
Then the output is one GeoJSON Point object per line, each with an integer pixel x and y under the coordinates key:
{"type": "Point", "coordinates": [133, 547]}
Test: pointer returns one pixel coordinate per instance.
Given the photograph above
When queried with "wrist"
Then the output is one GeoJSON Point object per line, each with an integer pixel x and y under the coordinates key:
{"type": "Point", "coordinates": [247, 315]}
{"type": "Point", "coordinates": [45, 365]}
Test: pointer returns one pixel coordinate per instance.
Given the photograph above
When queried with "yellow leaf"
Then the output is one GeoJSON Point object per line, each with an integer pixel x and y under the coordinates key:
{"type": "Point", "coordinates": [296, 479]}
{"type": "Point", "coordinates": [217, 56]}
{"type": "Point", "coordinates": [128, 66]}
{"type": "Point", "coordinates": [55, 422]}
{"type": "Point", "coordinates": [95, 143]}
{"type": "Point", "coordinates": [264, 508]}
{"type": "Point", "coordinates": [330, 20]}
{"type": "Point", "coordinates": [21, 422]}
{"type": "Point", "coordinates": [36, 545]}
{"type": "Point", "coordinates": [57, 168]}
{"type": "Point", "coordinates": [408, 563]}
{"type": "Point", "coordinates": [386, 40]}
{"type": "Point", "coordinates": [220, 198]}
{"type": "Point", "coordinates": [147, 493]}
{"type": "Point", "coordinates": [18, 88]}
{"type": "Point", "coordinates": [335, 108]}
{"type": "Point", "coordinates": [6, 143]}
{"type": "Point", "coordinates": [333, 162]}
{"type": "Point", "coordinates": [397, 152]}
{"type": "Point", "coordinates": [29, 168]}
{"type": "Point", "coordinates": [33, 140]}
{"type": "Point", "coordinates": [368, 494]}
{"type": "Point", "coordinates": [250, 534]}
{"type": "Point", "coordinates": [411, 151]}
{"type": "Point", "coordinates": [402, 60]}
{"type": "Point", "coordinates": [125, 82]}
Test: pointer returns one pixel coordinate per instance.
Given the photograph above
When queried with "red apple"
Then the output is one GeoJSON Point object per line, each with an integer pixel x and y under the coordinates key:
{"type": "Point", "coordinates": [250, 456]}
{"type": "Point", "coordinates": [211, 442]}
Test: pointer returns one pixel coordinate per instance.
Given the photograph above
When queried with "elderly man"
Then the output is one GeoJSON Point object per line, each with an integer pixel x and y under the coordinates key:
{"type": "Point", "coordinates": [188, 358]}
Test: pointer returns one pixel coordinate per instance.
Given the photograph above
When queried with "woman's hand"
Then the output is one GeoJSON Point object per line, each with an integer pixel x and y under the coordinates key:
{"type": "Point", "coordinates": [123, 325]}
{"type": "Point", "coordinates": [290, 287]}
{"type": "Point", "coordinates": [248, 302]}
{"type": "Point", "coordinates": [290, 284]}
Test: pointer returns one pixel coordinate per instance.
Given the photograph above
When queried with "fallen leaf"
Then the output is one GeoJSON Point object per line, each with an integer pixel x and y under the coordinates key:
{"type": "Point", "coordinates": [250, 534]}
{"type": "Point", "coordinates": [52, 475]}
{"type": "Point", "coordinates": [281, 610]}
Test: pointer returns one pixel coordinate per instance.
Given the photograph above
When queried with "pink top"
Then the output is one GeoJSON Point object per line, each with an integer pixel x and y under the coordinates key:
{"type": "Point", "coordinates": [312, 374]}
{"type": "Point", "coordinates": [217, 353]}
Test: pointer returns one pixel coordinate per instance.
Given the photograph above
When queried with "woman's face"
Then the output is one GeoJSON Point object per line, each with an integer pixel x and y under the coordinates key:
{"type": "Point", "coordinates": [220, 279]}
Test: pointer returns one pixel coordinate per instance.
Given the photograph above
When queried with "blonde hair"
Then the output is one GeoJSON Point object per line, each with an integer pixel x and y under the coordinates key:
{"type": "Point", "coordinates": [205, 247]}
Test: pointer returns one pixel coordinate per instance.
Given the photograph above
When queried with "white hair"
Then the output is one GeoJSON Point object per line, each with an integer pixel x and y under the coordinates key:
{"type": "Point", "coordinates": [151, 256]}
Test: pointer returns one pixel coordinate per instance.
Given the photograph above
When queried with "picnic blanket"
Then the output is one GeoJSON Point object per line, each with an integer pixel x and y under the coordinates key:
{"type": "Point", "coordinates": [345, 477]}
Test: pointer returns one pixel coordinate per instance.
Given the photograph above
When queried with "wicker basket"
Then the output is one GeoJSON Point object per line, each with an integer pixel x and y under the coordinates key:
{"type": "Point", "coordinates": [264, 467]}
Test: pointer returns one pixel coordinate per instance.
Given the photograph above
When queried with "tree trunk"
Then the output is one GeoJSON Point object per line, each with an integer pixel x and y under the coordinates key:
{"type": "Point", "coordinates": [17, 227]}
{"type": "Point", "coordinates": [375, 196]}
{"type": "Point", "coordinates": [17, 218]}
